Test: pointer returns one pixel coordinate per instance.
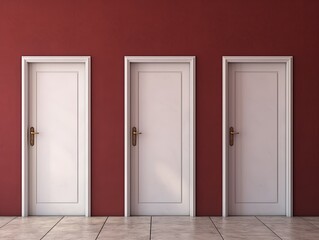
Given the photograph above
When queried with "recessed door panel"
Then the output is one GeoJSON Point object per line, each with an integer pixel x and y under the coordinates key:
{"type": "Point", "coordinates": [56, 149]}
{"type": "Point", "coordinates": [160, 146]}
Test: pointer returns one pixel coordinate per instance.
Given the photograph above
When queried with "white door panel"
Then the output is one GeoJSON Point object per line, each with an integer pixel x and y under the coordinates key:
{"type": "Point", "coordinates": [160, 160]}
{"type": "Point", "coordinates": [257, 158]}
{"type": "Point", "coordinates": [157, 109]}
{"type": "Point", "coordinates": [57, 160]}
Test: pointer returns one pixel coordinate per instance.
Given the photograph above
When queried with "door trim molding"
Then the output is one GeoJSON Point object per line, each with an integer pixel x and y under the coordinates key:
{"type": "Point", "coordinates": [288, 61]}
{"type": "Point", "coordinates": [127, 128]}
{"type": "Point", "coordinates": [26, 60]}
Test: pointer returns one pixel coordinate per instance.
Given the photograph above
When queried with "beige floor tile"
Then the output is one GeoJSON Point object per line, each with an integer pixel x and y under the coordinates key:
{"type": "Point", "coordinates": [197, 228]}
{"type": "Point", "coordinates": [242, 228]}
{"type": "Point", "coordinates": [126, 228]}
{"type": "Point", "coordinates": [5, 220]}
{"type": "Point", "coordinates": [129, 220]}
{"type": "Point", "coordinates": [313, 220]}
{"type": "Point", "coordinates": [233, 236]}
{"type": "Point", "coordinates": [180, 220]}
{"type": "Point", "coordinates": [292, 233]}
{"type": "Point", "coordinates": [77, 228]}
{"type": "Point", "coordinates": [281, 219]}
{"type": "Point", "coordinates": [291, 228]}
{"type": "Point", "coordinates": [28, 228]}
{"type": "Point", "coordinates": [186, 236]}
{"type": "Point", "coordinates": [239, 220]}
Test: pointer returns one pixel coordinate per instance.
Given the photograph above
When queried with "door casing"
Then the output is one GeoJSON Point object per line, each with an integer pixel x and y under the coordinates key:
{"type": "Point", "coordinates": [26, 60]}
{"type": "Point", "coordinates": [127, 122]}
{"type": "Point", "coordinates": [287, 60]}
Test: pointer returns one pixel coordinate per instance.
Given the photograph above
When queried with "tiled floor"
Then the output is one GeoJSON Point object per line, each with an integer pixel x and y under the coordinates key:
{"type": "Point", "coordinates": [160, 228]}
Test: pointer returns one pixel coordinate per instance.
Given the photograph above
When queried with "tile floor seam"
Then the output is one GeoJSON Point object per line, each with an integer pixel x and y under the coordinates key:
{"type": "Point", "coordinates": [52, 227]}
{"type": "Point", "coordinates": [268, 227]}
{"type": "Point", "coordinates": [101, 228]}
{"type": "Point", "coordinates": [216, 227]}
{"type": "Point", "coordinates": [8, 222]}
{"type": "Point", "coordinates": [151, 227]}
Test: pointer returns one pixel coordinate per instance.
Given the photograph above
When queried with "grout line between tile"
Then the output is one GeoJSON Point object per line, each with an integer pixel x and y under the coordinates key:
{"type": "Point", "coordinates": [8, 222]}
{"type": "Point", "coordinates": [52, 227]}
{"type": "Point", "coordinates": [268, 227]}
{"type": "Point", "coordinates": [151, 227]}
{"type": "Point", "coordinates": [101, 228]}
{"type": "Point", "coordinates": [309, 222]}
{"type": "Point", "coordinates": [216, 228]}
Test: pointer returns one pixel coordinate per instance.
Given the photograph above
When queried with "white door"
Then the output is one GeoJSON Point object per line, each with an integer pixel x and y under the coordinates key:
{"type": "Point", "coordinates": [56, 144]}
{"type": "Point", "coordinates": [257, 141]}
{"type": "Point", "coordinates": [160, 151]}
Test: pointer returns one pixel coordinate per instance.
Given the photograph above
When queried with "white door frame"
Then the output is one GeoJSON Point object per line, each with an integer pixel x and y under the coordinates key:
{"type": "Point", "coordinates": [26, 60]}
{"type": "Point", "coordinates": [127, 121]}
{"type": "Point", "coordinates": [287, 60]}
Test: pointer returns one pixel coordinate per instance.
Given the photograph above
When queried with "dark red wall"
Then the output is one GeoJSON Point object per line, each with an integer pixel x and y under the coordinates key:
{"type": "Point", "coordinates": [108, 30]}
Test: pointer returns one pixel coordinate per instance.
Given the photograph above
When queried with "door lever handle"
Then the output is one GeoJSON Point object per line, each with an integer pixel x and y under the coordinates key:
{"type": "Point", "coordinates": [231, 136]}
{"type": "Point", "coordinates": [233, 133]}
{"type": "Point", "coordinates": [134, 134]}
{"type": "Point", "coordinates": [32, 133]}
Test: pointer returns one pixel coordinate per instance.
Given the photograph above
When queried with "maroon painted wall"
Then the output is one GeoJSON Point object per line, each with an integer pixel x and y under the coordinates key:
{"type": "Point", "coordinates": [108, 30]}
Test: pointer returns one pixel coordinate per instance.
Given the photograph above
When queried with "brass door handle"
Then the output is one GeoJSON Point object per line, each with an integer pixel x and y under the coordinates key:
{"type": "Point", "coordinates": [231, 136]}
{"type": "Point", "coordinates": [134, 134]}
{"type": "Point", "coordinates": [32, 133]}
